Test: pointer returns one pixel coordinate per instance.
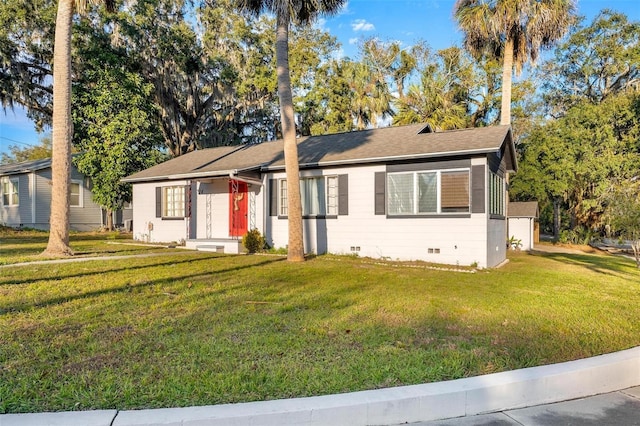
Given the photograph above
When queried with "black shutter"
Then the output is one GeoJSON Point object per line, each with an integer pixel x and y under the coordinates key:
{"type": "Point", "coordinates": [158, 201]}
{"type": "Point", "coordinates": [478, 179]}
{"type": "Point", "coordinates": [343, 195]}
{"type": "Point", "coordinates": [273, 197]}
{"type": "Point", "coordinates": [380, 189]}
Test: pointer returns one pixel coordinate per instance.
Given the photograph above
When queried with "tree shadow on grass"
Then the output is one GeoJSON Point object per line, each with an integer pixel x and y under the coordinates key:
{"type": "Point", "coordinates": [128, 287]}
{"type": "Point", "coordinates": [107, 270]}
{"type": "Point", "coordinates": [600, 264]}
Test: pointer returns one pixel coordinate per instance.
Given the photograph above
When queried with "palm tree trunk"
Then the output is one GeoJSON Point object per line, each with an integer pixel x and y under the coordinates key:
{"type": "Point", "coordinates": [507, 71]}
{"type": "Point", "coordinates": [109, 216]}
{"type": "Point", "coordinates": [296, 245]}
{"type": "Point", "coordinates": [58, 244]}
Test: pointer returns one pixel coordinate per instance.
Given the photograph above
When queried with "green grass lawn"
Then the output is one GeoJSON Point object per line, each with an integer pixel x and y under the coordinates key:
{"type": "Point", "coordinates": [195, 328]}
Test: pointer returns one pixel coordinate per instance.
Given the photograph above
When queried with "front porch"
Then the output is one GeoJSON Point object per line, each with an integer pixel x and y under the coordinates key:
{"type": "Point", "coordinates": [217, 245]}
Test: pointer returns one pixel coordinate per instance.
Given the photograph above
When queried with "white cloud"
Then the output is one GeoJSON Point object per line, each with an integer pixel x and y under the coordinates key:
{"type": "Point", "coordinates": [354, 40]}
{"type": "Point", "coordinates": [321, 23]}
{"type": "Point", "coordinates": [362, 25]}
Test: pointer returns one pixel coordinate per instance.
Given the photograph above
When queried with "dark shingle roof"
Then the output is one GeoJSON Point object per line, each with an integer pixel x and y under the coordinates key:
{"type": "Point", "coordinates": [523, 209]}
{"type": "Point", "coordinates": [367, 146]}
{"type": "Point", "coordinates": [24, 167]}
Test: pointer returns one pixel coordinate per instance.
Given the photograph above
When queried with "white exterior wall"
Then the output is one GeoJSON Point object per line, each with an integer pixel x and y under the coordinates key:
{"type": "Point", "coordinates": [464, 241]}
{"type": "Point", "coordinates": [496, 242]}
{"type": "Point", "coordinates": [522, 229]}
{"type": "Point", "coordinates": [144, 213]}
{"type": "Point", "coordinates": [461, 241]}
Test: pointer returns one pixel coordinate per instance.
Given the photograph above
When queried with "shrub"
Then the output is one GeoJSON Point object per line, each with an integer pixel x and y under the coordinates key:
{"type": "Point", "coordinates": [253, 241]}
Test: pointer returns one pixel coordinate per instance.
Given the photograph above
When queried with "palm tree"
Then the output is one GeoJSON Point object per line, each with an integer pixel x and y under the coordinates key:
{"type": "Point", "coordinates": [370, 96]}
{"type": "Point", "coordinates": [514, 30]}
{"type": "Point", "coordinates": [302, 12]}
{"type": "Point", "coordinates": [58, 244]}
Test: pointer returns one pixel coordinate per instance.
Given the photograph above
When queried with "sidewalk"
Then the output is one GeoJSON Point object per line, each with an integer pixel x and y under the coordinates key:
{"type": "Point", "coordinates": [620, 408]}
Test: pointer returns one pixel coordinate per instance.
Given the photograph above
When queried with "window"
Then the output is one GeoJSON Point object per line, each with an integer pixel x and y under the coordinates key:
{"type": "Point", "coordinates": [173, 201]}
{"type": "Point", "coordinates": [312, 197]}
{"type": "Point", "coordinates": [332, 195]}
{"type": "Point", "coordinates": [10, 192]}
{"type": "Point", "coordinates": [284, 206]}
{"type": "Point", "coordinates": [455, 192]}
{"type": "Point", "coordinates": [433, 192]}
{"type": "Point", "coordinates": [319, 196]}
{"type": "Point", "coordinates": [496, 195]}
{"type": "Point", "coordinates": [75, 199]}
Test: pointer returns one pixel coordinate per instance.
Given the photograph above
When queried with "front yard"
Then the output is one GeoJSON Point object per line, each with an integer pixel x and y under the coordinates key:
{"type": "Point", "coordinates": [194, 328]}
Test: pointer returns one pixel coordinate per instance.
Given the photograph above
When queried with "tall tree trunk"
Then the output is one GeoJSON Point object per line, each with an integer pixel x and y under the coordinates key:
{"type": "Point", "coordinates": [287, 117]}
{"type": "Point", "coordinates": [58, 244]}
{"type": "Point", "coordinates": [556, 218]}
{"type": "Point", "coordinates": [109, 220]}
{"type": "Point", "coordinates": [507, 72]}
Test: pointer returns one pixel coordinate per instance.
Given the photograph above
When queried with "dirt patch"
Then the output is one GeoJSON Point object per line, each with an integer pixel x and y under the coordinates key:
{"type": "Point", "coordinates": [566, 248]}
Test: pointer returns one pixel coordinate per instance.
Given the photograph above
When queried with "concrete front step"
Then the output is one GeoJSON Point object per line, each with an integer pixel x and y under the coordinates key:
{"type": "Point", "coordinates": [217, 245]}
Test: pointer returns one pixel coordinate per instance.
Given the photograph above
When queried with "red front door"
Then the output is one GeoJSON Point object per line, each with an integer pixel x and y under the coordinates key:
{"type": "Point", "coordinates": [238, 208]}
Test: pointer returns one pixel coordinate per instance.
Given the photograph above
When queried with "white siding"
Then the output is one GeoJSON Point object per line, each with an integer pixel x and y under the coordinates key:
{"type": "Point", "coordinates": [522, 229]}
{"type": "Point", "coordinates": [460, 241]}
{"type": "Point", "coordinates": [20, 214]}
{"type": "Point", "coordinates": [148, 227]}
{"type": "Point", "coordinates": [87, 216]}
{"type": "Point", "coordinates": [469, 239]}
{"type": "Point", "coordinates": [496, 242]}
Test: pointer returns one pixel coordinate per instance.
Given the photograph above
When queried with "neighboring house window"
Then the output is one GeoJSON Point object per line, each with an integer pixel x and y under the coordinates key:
{"type": "Point", "coordinates": [75, 199]}
{"type": "Point", "coordinates": [319, 196]}
{"type": "Point", "coordinates": [496, 195]}
{"type": "Point", "coordinates": [10, 192]}
{"type": "Point", "coordinates": [432, 192]}
{"type": "Point", "coordinates": [283, 199]}
{"type": "Point", "coordinates": [173, 201]}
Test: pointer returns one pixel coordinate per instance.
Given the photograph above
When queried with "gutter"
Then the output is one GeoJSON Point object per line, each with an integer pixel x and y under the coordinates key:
{"type": "Point", "coordinates": [232, 174]}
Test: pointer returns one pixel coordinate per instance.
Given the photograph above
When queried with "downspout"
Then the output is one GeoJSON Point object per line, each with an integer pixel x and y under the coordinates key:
{"type": "Point", "coordinates": [189, 211]}
{"type": "Point", "coordinates": [32, 184]}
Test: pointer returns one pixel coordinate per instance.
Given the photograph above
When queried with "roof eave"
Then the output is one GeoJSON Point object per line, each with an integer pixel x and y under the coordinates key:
{"type": "Point", "coordinates": [187, 176]}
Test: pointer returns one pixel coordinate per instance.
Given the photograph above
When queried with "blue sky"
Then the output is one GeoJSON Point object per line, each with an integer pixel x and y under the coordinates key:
{"type": "Point", "coordinates": [404, 20]}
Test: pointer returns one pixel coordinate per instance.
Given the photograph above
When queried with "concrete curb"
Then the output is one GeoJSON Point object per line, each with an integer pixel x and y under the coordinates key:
{"type": "Point", "coordinates": [406, 404]}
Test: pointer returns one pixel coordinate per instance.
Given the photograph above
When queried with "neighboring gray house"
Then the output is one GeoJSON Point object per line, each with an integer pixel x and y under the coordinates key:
{"type": "Point", "coordinates": [523, 223]}
{"type": "Point", "coordinates": [403, 193]}
{"type": "Point", "coordinates": [26, 198]}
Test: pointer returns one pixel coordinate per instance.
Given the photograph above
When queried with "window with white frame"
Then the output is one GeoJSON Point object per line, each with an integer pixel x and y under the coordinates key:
{"type": "Point", "coordinates": [318, 196]}
{"type": "Point", "coordinates": [75, 195]}
{"type": "Point", "coordinates": [496, 195]}
{"type": "Point", "coordinates": [428, 192]}
{"type": "Point", "coordinates": [10, 193]}
{"type": "Point", "coordinates": [283, 199]}
{"type": "Point", "coordinates": [173, 201]}
{"type": "Point", "coordinates": [332, 195]}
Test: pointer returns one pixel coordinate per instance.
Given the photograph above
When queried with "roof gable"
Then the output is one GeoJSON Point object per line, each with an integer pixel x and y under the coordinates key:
{"type": "Point", "coordinates": [388, 144]}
